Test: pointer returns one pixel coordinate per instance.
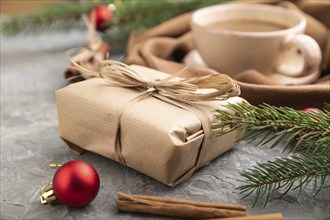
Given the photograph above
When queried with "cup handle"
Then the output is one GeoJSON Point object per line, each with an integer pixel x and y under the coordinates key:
{"type": "Point", "coordinates": [300, 55]}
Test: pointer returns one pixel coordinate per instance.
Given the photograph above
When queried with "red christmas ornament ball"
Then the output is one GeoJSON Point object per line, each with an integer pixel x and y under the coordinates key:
{"type": "Point", "coordinates": [308, 110]}
{"type": "Point", "coordinates": [103, 15]}
{"type": "Point", "coordinates": [315, 110]}
{"type": "Point", "coordinates": [76, 183]}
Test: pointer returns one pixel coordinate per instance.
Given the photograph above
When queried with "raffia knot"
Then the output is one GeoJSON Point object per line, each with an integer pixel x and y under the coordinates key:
{"type": "Point", "coordinates": [150, 84]}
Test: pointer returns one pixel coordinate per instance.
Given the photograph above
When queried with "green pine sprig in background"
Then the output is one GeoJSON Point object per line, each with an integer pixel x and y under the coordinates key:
{"type": "Point", "coordinates": [53, 17]}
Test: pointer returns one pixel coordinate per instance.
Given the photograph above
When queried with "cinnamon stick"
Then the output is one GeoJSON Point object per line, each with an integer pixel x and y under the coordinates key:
{"type": "Point", "coordinates": [274, 216]}
{"type": "Point", "coordinates": [176, 207]}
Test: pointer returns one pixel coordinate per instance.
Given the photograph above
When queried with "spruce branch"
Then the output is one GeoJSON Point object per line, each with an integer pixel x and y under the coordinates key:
{"type": "Point", "coordinates": [51, 17]}
{"type": "Point", "coordinates": [305, 133]}
{"type": "Point", "coordinates": [283, 173]}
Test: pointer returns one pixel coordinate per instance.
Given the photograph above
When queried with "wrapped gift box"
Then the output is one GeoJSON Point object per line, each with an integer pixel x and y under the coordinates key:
{"type": "Point", "coordinates": [150, 135]}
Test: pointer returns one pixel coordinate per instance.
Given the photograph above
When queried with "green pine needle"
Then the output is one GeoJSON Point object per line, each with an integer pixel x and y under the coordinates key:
{"type": "Point", "coordinates": [327, 107]}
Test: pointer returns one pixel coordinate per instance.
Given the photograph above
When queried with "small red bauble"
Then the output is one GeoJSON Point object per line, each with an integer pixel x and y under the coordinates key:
{"type": "Point", "coordinates": [76, 183]}
{"type": "Point", "coordinates": [315, 110]}
{"type": "Point", "coordinates": [312, 111]}
{"type": "Point", "coordinates": [308, 110]}
{"type": "Point", "coordinates": [103, 15]}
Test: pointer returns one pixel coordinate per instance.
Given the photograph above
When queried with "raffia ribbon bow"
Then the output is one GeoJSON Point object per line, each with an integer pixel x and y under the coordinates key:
{"type": "Point", "coordinates": [202, 88]}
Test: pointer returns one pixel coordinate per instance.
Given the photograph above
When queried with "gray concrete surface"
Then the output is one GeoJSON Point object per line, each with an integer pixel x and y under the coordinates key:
{"type": "Point", "coordinates": [31, 71]}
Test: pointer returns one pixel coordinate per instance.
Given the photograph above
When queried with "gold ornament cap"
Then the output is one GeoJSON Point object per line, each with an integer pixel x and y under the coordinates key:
{"type": "Point", "coordinates": [47, 194]}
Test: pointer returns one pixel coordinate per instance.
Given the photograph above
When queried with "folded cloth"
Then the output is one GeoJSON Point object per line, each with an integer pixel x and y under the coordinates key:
{"type": "Point", "coordinates": [164, 47]}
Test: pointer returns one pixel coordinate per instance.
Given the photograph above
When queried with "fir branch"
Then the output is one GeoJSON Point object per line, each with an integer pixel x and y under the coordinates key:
{"type": "Point", "coordinates": [283, 173]}
{"type": "Point", "coordinates": [51, 17]}
{"type": "Point", "coordinates": [305, 132]}
{"type": "Point", "coordinates": [270, 124]}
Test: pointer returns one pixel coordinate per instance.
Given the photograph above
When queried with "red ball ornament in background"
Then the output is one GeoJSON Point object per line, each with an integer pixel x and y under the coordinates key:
{"type": "Point", "coordinates": [103, 16]}
{"type": "Point", "coordinates": [315, 110]}
{"type": "Point", "coordinates": [309, 111]}
{"type": "Point", "coordinates": [76, 184]}
{"type": "Point", "coordinates": [312, 111]}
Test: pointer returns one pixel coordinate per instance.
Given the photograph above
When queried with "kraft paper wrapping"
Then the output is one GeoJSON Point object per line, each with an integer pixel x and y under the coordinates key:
{"type": "Point", "coordinates": [157, 138]}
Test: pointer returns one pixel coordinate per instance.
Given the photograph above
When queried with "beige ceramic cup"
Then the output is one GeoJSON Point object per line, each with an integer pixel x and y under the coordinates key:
{"type": "Point", "coordinates": [283, 54]}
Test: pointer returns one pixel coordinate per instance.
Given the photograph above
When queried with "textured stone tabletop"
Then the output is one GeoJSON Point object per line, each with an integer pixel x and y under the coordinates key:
{"type": "Point", "coordinates": [31, 71]}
